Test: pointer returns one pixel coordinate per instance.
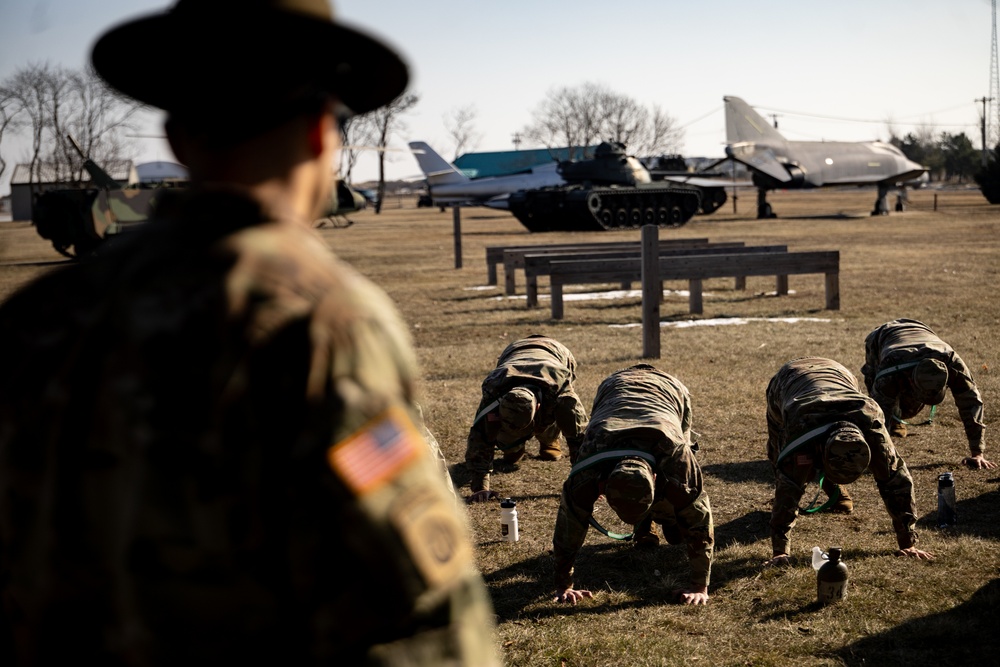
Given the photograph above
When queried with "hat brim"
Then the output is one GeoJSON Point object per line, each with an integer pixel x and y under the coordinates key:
{"type": "Point", "coordinates": [173, 62]}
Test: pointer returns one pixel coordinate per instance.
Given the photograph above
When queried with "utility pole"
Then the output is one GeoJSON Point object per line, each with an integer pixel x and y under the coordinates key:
{"type": "Point", "coordinates": [774, 119]}
{"type": "Point", "coordinates": [516, 140]}
{"type": "Point", "coordinates": [982, 126]}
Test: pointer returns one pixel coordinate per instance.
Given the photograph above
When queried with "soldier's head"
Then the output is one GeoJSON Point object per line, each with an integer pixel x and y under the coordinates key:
{"type": "Point", "coordinates": [232, 73]}
{"type": "Point", "coordinates": [517, 415]}
{"type": "Point", "coordinates": [929, 379]}
{"type": "Point", "coordinates": [629, 489]}
{"type": "Point", "coordinates": [845, 454]}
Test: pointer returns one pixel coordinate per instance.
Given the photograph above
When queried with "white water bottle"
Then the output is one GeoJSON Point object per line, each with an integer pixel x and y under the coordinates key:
{"type": "Point", "coordinates": [819, 558]}
{"type": "Point", "coordinates": [508, 520]}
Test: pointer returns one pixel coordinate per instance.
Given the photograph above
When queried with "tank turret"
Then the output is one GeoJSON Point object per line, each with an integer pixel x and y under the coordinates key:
{"type": "Point", "coordinates": [610, 191]}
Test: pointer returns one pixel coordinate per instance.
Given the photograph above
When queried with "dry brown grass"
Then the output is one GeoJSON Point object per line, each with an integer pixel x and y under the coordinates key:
{"type": "Point", "coordinates": [937, 266]}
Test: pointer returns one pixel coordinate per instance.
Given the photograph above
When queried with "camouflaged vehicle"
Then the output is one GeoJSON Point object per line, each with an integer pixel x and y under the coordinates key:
{"type": "Point", "coordinates": [78, 220]}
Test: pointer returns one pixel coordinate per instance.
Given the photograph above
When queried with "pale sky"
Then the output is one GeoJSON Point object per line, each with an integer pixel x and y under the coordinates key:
{"type": "Point", "coordinates": [831, 70]}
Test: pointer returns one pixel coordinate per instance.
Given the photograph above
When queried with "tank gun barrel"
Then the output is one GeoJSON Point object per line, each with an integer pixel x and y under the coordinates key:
{"type": "Point", "coordinates": [98, 176]}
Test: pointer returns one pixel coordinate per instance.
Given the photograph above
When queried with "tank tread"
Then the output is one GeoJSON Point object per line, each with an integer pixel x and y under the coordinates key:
{"type": "Point", "coordinates": [581, 208]}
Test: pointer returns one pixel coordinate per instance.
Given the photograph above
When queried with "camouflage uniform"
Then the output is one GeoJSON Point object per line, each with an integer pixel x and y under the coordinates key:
{"type": "Point", "coordinates": [644, 410]}
{"type": "Point", "coordinates": [208, 456]}
{"type": "Point", "coordinates": [549, 369]}
{"type": "Point", "coordinates": [902, 343]}
{"type": "Point", "coordinates": [810, 394]}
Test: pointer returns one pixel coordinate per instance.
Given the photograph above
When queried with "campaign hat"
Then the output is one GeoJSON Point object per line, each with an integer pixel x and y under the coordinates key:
{"type": "Point", "coordinates": [251, 53]}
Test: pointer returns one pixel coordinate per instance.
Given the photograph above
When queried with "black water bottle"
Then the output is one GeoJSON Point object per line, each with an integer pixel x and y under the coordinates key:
{"type": "Point", "coordinates": [831, 579]}
{"type": "Point", "coordinates": [947, 510]}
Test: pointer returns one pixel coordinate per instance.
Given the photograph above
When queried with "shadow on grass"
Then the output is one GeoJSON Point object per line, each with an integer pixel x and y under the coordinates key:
{"type": "Point", "coordinates": [964, 635]}
{"type": "Point", "coordinates": [648, 575]}
{"type": "Point", "coordinates": [976, 517]}
{"type": "Point", "coordinates": [741, 471]}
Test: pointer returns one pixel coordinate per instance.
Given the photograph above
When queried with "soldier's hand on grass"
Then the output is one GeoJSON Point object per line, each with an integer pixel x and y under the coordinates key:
{"type": "Point", "coordinates": [779, 559]}
{"type": "Point", "coordinates": [571, 595]}
{"type": "Point", "coordinates": [978, 462]}
{"type": "Point", "coordinates": [692, 595]}
{"type": "Point", "coordinates": [482, 496]}
{"type": "Point", "coordinates": [913, 552]}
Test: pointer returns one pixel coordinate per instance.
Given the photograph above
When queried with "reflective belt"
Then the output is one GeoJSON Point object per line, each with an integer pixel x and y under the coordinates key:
{"type": "Point", "coordinates": [485, 411]}
{"type": "Point", "coordinates": [611, 454]}
{"type": "Point", "coordinates": [801, 440]}
{"type": "Point", "coordinates": [893, 369]}
{"type": "Point", "coordinates": [812, 509]}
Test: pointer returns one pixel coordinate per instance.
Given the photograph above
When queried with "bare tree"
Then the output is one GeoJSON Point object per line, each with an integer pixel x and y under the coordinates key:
{"type": "Point", "coordinates": [578, 117]}
{"type": "Point", "coordinates": [9, 120]}
{"type": "Point", "coordinates": [387, 120]}
{"type": "Point", "coordinates": [54, 102]}
{"type": "Point", "coordinates": [460, 124]}
{"type": "Point", "coordinates": [359, 135]}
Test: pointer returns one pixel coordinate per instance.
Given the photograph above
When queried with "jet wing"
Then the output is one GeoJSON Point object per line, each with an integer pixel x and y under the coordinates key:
{"type": "Point", "coordinates": [875, 179]}
{"type": "Point", "coordinates": [703, 182]}
{"type": "Point", "coordinates": [759, 159]}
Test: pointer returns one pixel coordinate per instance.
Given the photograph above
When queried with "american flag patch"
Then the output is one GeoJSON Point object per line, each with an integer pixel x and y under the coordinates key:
{"type": "Point", "coordinates": [376, 452]}
{"type": "Point", "coordinates": [803, 460]}
{"type": "Point", "coordinates": [493, 417]}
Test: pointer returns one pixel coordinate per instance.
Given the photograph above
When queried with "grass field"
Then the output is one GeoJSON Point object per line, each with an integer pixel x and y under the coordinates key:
{"type": "Point", "coordinates": [939, 266]}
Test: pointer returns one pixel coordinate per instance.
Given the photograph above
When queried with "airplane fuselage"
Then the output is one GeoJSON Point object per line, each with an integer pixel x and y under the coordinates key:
{"type": "Point", "coordinates": [815, 164]}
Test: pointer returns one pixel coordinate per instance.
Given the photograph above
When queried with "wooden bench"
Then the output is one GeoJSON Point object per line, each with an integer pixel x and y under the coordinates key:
{"type": "Point", "coordinates": [696, 268]}
{"type": "Point", "coordinates": [515, 259]}
{"type": "Point", "coordinates": [539, 265]}
{"type": "Point", "coordinates": [495, 254]}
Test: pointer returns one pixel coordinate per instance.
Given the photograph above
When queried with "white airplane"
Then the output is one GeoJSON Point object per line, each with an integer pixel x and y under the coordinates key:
{"type": "Point", "coordinates": [449, 186]}
{"type": "Point", "coordinates": [778, 163]}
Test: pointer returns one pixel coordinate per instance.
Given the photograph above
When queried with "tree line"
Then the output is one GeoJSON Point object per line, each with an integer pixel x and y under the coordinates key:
{"type": "Point", "coordinates": [47, 104]}
{"type": "Point", "coordinates": [946, 156]}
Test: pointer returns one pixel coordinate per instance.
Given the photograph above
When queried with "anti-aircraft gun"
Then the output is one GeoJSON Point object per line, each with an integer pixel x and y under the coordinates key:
{"type": "Point", "coordinates": [78, 220]}
{"type": "Point", "coordinates": [611, 191]}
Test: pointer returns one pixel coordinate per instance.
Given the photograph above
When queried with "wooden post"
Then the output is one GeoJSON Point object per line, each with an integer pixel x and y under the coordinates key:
{"type": "Point", "coordinates": [456, 217]}
{"type": "Point", "coordinates": [935, 201]}
{"type": "Point", "coordinates": [652, 291]}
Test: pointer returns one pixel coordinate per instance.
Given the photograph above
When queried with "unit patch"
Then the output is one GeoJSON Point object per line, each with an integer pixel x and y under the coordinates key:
{"type": "Point", "coordinates": [429, 526]}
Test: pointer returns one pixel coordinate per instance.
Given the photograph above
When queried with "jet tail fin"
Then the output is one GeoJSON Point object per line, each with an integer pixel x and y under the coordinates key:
{"type": "Point", "coordinates": [743, 124]}
{"type": "Point", "coordinates": [437, 170]}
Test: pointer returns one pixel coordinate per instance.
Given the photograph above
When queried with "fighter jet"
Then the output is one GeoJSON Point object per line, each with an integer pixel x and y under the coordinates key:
{"type": "Point", "coordinates": [448, 186]}
{"type": "Point", "coordinates": [777, 163]}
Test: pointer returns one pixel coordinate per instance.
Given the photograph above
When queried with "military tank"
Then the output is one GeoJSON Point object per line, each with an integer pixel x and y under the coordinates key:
{"type": "Point", "coordinates": [610, 191]}
{"type": "Point", "coordinates": [78, 220]}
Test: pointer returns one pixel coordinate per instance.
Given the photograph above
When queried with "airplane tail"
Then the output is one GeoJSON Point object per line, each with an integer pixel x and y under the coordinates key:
{"type": "Point", "coordinates": [743, 124]}
{"type": "Point", "coordinates": [437, 170]}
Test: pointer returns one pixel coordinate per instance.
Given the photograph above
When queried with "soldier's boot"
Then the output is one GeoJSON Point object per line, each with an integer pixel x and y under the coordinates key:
{"type": "Point", "coordinates": [549, 451]}
{"type": "Point", "coordinates": [512, 456]}
{"type": "Point", "coordinates": [897, 429]}
{"type": "Point", "coordinates": [643, 536]}
{"type": "Point", "coordinates": [843, 504]}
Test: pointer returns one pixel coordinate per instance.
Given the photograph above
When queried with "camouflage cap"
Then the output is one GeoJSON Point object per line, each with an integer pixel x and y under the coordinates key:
{"type": "Point", "coordinates": [629, 489]}
{"type": "Point", "coordinates": [930, 377]}
{"type": "Point", "coordinates": [517, 412]}
{"type": "Point", "coordinates": [846, 454]}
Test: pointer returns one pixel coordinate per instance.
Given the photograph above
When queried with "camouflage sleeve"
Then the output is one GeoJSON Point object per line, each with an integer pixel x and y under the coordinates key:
{"type": "Point", "coordinates": [895, 485]}
{"type": "Point", "coordinates": [576, 506]}
{"type": "Point", "coordinates": [406, 527]}
{"type": "Point", "coordinates": [870, 369]}
{"type": "Point", "coordinates": [787, 496]}
{"type": "Point", "coordinates": [969, 402]}
{"type": "Point", "coordinates": [683, 489]}
{"type": "Point", "coordinates": [571, 418]}
{"type": "Point", "coordinates": [479, 455]}
{"type": "Point", "coordinates": [435, 447]}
